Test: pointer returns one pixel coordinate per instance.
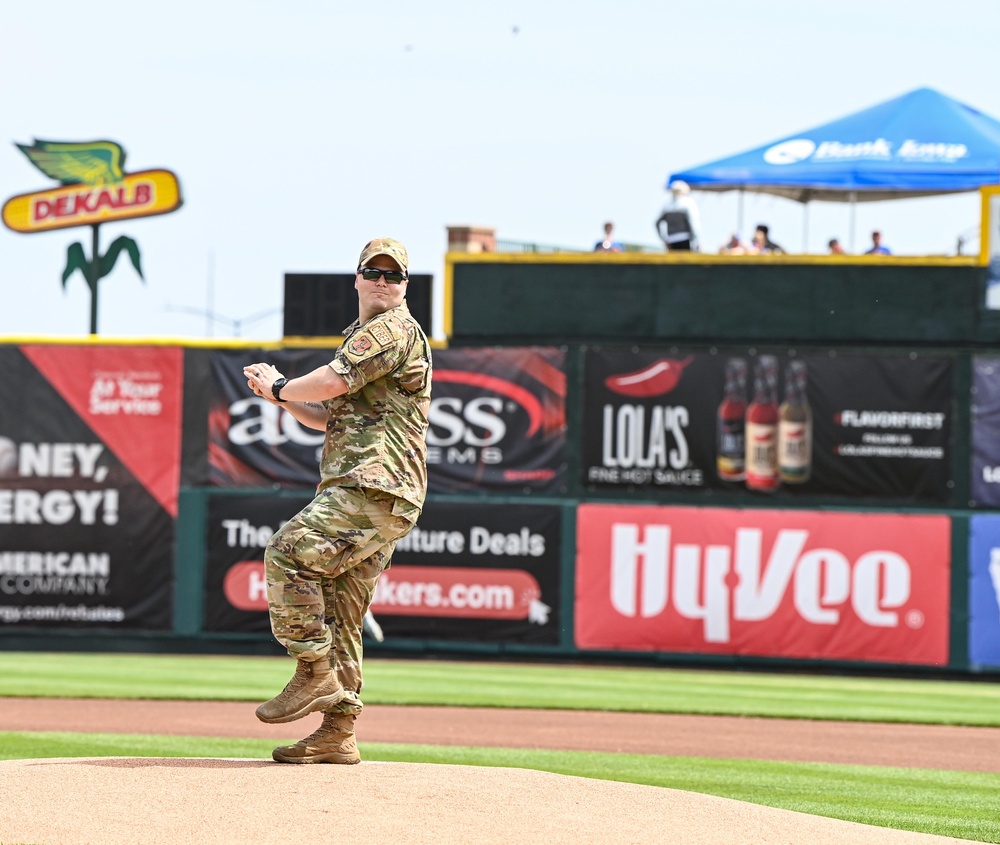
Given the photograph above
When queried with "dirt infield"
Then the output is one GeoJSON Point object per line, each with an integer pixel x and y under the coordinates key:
{"type": "Point", "coordinates": [921, 746]}
{"type": "Point", "coordinates": [116, 800]}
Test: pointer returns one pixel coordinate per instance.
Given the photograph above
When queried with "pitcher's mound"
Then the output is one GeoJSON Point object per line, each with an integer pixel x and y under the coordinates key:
{"type": "Point", "coordinates": [165, 801]}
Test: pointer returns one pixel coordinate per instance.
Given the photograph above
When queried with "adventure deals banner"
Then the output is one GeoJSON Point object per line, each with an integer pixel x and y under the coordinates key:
{"type": "Point", "coordinates": [483, 572]}
{"type": "Point", "coordinates": [874, 426]}
{"type": "Point", "coordinates": [497, 422]}
{"type": "Point", "coordinates": [89, 476]}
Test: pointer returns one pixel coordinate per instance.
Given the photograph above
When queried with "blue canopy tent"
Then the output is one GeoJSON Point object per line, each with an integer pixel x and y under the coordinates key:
{"type": "Point", "coordinates": [919, 144]}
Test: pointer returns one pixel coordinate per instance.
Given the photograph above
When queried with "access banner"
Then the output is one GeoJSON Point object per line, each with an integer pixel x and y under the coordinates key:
{"type": "Point", "coordinates": [252, 442]}
{"type": "Point", "coordinates": [873, 426]}
{"type": "Point", "coordinates": [89, 477]}
{"type": "Point", "coordinates": [479, 573]}
{"type": "Point", "coordinates": [497, 422]}
{"type": "Point", "coordinates": [767, 583]}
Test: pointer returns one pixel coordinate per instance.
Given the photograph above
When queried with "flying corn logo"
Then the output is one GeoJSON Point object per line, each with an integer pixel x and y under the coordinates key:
{"type": "Point", "coordinates": [94, 188]}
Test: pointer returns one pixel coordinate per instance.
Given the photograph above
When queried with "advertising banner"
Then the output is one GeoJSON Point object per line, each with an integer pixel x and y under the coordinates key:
{"type": "Point", "coordinates": [984, 591]}
{"type": "Point", "coordinates": [497, 422]}
{"type": "Point", "coordinates": [251, 442]}
{"type": "Point", "coordinates": [791, 584]}
{"type": "Point", "coordinates": [474, 573]}
{"type": "Point", "coordinates": [985, 474]}
{"type": "Point", "coordinates": [239, 528]}
{"type": "Point", "coordinates": [89, 476]}
{"type": "Point", "coordinates": [874, 426]}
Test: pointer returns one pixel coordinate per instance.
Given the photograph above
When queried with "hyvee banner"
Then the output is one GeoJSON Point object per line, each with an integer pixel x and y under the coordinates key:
{"type": "Point", "coordinates": [795, 584]}
{"type": "Point", "coordinates": [873, 426]}
{"type": "Point", "coordinates": [89, 474]}
{"type": "Point", "coordinates": [985, 475]}
{"type": "Point", "coordinates": [984, 591]}
{"type": "Point", "coordinates": [497, 422]}
{"type": "Point", "coordinates": [485, 573]}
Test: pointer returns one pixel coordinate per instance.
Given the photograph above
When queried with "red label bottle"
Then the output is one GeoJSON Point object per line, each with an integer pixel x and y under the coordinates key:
{"type": "Point", "coordinates": [730, 452]}
{"type": "Point", "coordinates": [762, 427]}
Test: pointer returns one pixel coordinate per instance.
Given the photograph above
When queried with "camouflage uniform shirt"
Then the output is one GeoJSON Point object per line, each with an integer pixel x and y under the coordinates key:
{"type": "Point", "coordinates": [375, 433]}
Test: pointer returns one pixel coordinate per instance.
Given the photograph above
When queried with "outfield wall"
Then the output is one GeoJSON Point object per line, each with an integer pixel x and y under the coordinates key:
{"type": "Point", "coordinates": [577, 508]}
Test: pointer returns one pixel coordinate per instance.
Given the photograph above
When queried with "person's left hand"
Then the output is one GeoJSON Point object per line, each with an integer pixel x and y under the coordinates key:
{"type": "Point", "coordinates": [260, 378]}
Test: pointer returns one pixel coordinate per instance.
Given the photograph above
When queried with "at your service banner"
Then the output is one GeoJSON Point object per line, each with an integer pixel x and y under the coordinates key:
{"type": "Point", "coordinates": [470, 573]}
{"type": "Point", "coordinates": [984, 591]}
{"type": "Point", "coordinates": [497, 422]}
{"type": "Point", "coordinates": [768, 583]}
{"type": "Point", "coordinates": [876, 426]}
{"type": "Point", "coordinates": [89, 478]}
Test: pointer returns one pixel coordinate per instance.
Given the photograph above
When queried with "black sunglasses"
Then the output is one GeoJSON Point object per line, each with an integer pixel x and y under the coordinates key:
{"type": "Point", "coordinates": [392, 277]}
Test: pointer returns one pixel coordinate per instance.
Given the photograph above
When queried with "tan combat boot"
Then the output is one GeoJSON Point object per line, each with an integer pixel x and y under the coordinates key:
{"type": "Point", "coordinates": [333, 742]}
{"type": "Point", "coordinates": [312, 687]}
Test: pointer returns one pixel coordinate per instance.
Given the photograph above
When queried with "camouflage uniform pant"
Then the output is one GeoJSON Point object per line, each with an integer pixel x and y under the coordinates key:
{"type": "Point", "coordinates": [322, 567]}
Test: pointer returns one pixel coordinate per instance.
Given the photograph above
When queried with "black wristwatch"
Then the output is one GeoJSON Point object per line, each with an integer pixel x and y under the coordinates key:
{"type": "Point", "coordinates": [276, 388]}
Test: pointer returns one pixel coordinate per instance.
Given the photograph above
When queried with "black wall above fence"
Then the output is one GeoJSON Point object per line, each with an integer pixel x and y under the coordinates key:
{"type": "Point", "coordinates": [576, 297]}
{"type": "Point", "coordinates": [324, 304]}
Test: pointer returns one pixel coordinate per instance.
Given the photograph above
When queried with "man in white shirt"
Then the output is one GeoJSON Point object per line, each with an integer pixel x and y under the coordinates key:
{"type": "Point", "coordinates": [674, 236]}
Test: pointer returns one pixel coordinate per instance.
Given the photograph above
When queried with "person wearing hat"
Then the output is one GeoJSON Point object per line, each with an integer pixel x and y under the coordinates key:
{"type": "Point", "coordinates": [679, 225]}
{"type": "Point", "coordinates": [322, 566]}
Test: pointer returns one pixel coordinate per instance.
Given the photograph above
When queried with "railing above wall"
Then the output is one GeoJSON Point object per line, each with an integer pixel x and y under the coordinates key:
{"type": "Point", "coordinates": [515, 247]}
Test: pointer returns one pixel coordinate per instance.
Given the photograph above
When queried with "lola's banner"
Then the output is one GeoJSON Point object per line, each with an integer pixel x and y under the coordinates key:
{"type": "Point", "coordinates": [875, 426]}
{"type": "Point", "coordinates": [89, 476]}
{"type": "Point", "coordinates": [497, 422]}
{"type": "Point", "coordinates": [483, 572]}
{"type": "Point", "coordinates": [768, 583]}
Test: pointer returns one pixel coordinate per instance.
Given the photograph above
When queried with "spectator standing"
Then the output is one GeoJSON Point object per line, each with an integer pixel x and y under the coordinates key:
{"type": "Point", "coordinates": [877, 248]}
{"type": "Point", "coordinates": [835, 247]}
{"type": "Point", "coordinates": [680, 224]}
{"type": "Point", "coordinates": [609, 244]}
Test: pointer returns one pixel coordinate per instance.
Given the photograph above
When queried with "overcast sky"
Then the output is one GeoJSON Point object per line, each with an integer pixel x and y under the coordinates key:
{"type": "Point", "coordinates": [300, 130]}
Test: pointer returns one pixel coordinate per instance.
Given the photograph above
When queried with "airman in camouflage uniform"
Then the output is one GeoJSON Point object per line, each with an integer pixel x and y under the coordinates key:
{"type": "Point", "coordinates": [323, 565]}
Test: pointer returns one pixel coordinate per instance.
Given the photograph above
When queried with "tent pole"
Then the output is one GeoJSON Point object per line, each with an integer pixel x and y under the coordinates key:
{"type": "Point", "coordinates": [805, 227]}
{"type": "Point", "coordinates": [854, 197]}
{"type": "Point", "coordinates": [739, 215]}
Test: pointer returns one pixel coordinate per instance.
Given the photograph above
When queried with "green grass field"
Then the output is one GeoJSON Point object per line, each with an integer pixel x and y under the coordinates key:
{"type": "Point", "coordinates": [958, 804]}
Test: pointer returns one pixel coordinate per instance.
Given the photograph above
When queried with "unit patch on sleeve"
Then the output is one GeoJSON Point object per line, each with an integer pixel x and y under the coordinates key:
{"type": "Point", "coordinates": [381, 333]}
{"type": "Point", "coordinates": [359, 345]}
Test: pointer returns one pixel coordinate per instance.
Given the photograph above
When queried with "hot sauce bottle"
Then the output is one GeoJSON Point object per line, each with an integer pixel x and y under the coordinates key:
{"type": "Point", "coordinates": [730, 453]}
{"type": "Point", "coordinates": [795, 428]}
{"type": "Point", "coordinates": [762, 427]}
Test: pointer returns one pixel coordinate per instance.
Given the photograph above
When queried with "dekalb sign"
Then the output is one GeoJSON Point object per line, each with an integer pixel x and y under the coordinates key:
{"type": "Point", "coordinates": [94, 188]}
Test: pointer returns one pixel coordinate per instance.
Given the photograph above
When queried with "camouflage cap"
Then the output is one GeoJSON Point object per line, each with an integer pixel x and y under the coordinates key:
{"type": "Point", "coordinates": [385, 246]}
